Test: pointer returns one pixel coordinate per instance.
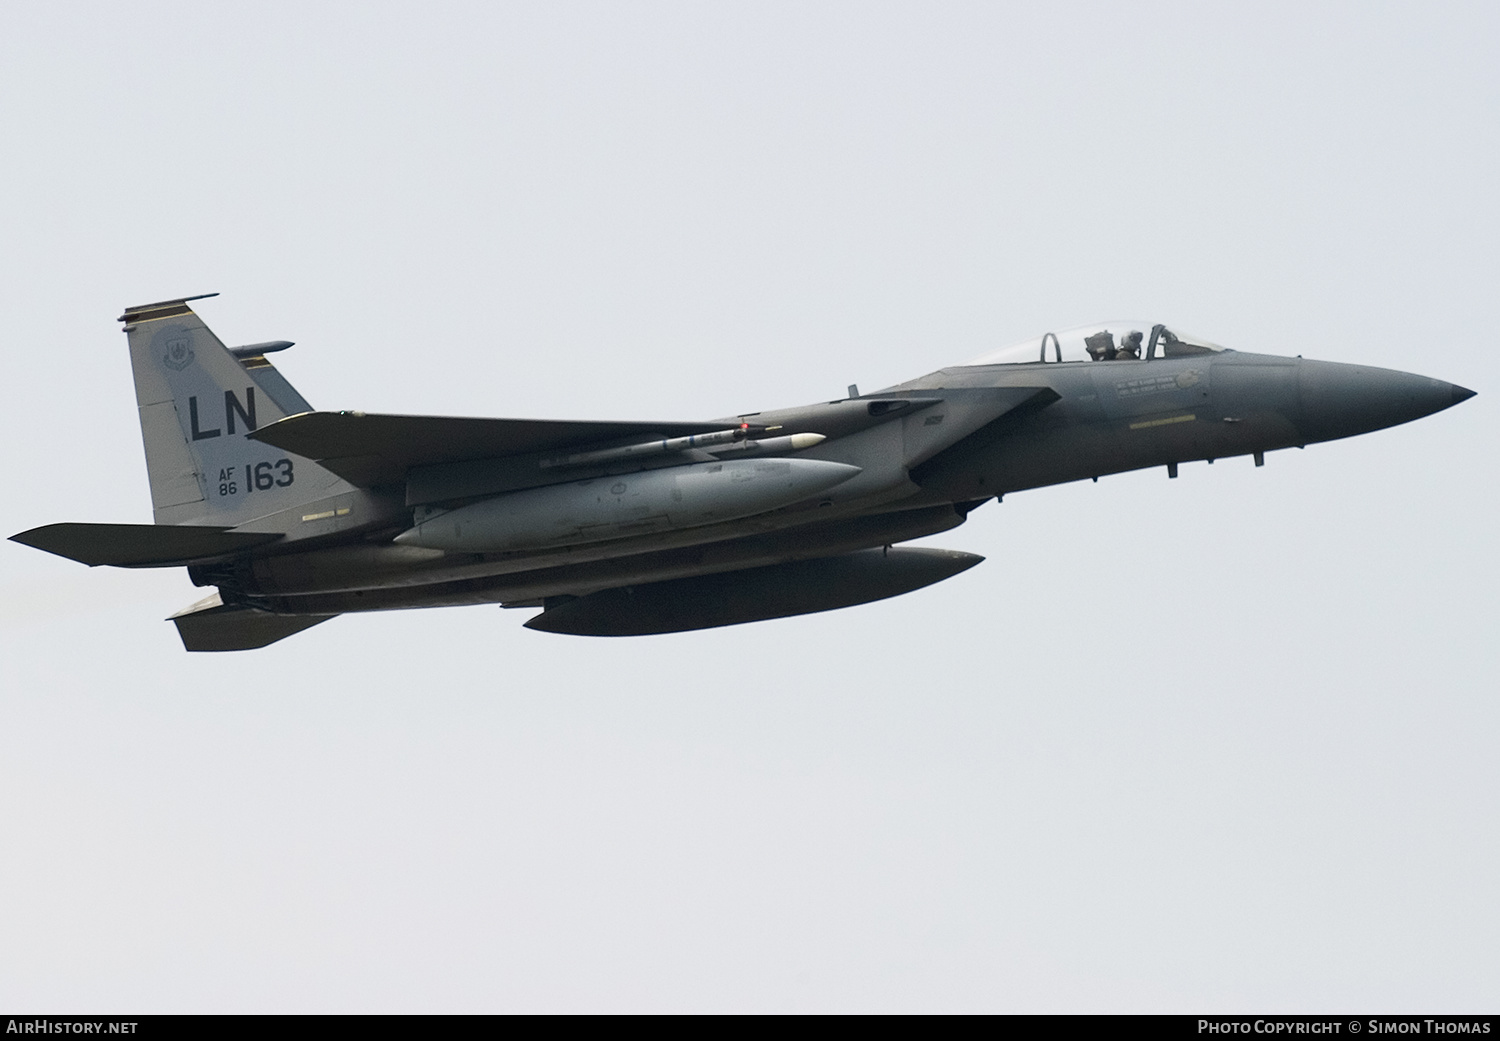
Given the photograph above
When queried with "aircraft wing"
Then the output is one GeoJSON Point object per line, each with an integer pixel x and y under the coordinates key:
{"type": "Point", "coordinates": [370, 450]}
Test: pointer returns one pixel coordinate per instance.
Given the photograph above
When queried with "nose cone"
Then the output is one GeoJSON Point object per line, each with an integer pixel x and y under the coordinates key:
{"type": "Point", "coordinates": [1344, 400]}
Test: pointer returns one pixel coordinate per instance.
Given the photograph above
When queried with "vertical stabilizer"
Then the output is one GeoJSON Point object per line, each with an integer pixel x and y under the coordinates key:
{"type": "Point", "coordinates": [197, 401]}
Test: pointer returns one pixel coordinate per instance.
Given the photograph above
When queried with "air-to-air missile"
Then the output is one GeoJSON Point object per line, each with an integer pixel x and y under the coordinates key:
{"type": "Point", "coordinates": [620, 529]}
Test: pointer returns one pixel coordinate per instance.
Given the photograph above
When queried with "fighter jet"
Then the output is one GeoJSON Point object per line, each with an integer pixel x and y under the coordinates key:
{"type": "Point", "coordinates": [636, 528]}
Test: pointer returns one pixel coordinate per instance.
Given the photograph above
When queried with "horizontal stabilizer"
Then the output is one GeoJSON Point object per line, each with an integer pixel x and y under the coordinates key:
{"type": "Point", "coordinates": [753, 595]}
{"type": "Point", "coordinates": [212, 625]}
{"type": "Point", "coordinates": [140, 545]}
{"type": "Point", "coordinates": [370, 450]}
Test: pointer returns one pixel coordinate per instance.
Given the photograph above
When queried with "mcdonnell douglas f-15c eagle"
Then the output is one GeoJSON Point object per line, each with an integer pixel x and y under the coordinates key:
{"type": "Point", "coordinates": [625, 529]}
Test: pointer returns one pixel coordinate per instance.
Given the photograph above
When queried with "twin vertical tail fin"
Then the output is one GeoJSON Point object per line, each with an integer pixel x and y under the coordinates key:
{"type": "Point", "coordinates": [198, 399]}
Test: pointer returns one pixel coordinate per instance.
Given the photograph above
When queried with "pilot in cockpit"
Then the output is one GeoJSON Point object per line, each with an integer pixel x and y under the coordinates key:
{"type": "Point", "coordinates": [1101, 346]}
{"type": "Point", "coordinates": [1130, 346]}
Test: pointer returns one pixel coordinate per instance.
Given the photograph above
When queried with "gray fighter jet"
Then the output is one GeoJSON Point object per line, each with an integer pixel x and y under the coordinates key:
{"type": "Point", "coordinates": [627, 529]}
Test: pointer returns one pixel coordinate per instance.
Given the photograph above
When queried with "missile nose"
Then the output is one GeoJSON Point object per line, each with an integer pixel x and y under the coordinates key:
{"type": "Point", "coordinates": [1344, 400]}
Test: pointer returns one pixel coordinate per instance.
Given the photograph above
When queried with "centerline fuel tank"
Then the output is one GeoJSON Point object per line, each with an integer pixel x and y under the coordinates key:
{"type": "Point", "coordinates": [630, 504]}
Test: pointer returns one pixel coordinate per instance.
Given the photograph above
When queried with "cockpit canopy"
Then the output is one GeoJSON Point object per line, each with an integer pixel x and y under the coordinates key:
{"type": "Point", "coordinates": [1110, 341]}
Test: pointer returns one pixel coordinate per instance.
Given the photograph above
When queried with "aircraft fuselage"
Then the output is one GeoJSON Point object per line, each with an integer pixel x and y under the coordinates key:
{"type": "Point", "coordinates": [1108, 417]}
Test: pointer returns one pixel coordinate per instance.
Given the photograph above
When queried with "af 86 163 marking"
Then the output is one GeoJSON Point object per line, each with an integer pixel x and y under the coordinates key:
{"type": "Point", "coordinates": [263, 476]}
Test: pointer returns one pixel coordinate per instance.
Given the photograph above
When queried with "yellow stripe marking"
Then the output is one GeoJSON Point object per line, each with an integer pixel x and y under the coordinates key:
{"type": "Point", "coordinates": [1162, 422]}
{"type": "Point", "coordinates": [317, 516]}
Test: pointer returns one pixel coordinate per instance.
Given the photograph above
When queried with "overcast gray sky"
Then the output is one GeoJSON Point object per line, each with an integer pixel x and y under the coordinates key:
{"type": "Point", "coordinates": [1219, 743]}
